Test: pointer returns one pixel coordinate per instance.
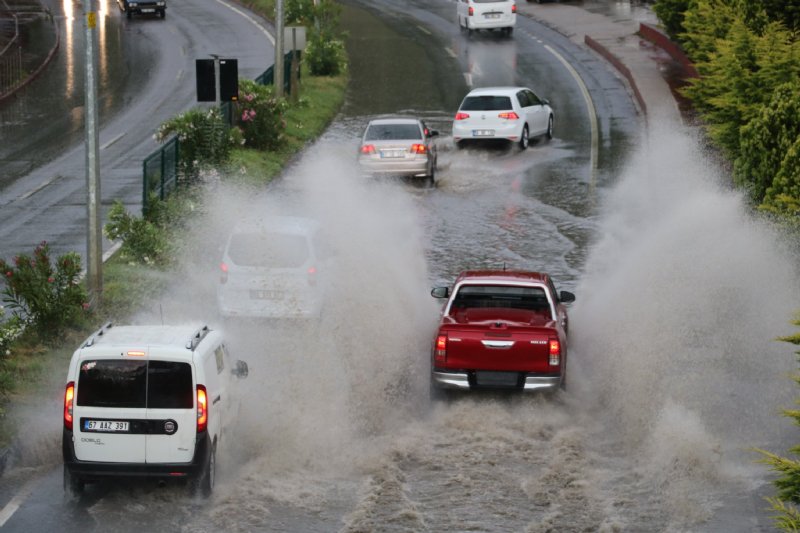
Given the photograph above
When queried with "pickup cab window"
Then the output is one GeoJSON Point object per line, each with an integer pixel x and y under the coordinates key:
{"type": "Point", "coordinates": [497, 296]}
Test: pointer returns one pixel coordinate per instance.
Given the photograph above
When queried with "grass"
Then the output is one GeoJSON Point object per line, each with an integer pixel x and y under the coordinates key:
{"type": "Point", "coordinates": [35, 372]}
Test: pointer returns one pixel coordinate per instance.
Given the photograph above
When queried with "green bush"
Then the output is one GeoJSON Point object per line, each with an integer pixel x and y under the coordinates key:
{"type": "Point", "coordinates": [42, 295]}
{"type": "Point", "coordinates": [142, 241]}
{"type": "Point", "coordinates": [10, 330]}
{"type": "Point", "coordinates": [205, 139]}
{"type": "Point", "coordinates": [259, 115]}
{"type": "Point", "coordinates": [671, 13]}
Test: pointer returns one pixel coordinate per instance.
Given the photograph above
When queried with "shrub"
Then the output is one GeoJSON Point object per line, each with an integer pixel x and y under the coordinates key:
{"type": "Point", "coordinates": [324, 56]}
{"type": "Point", "coordinates": [142, 241]}
{"type": "Point", "coordinates": [10, 330]}
{"type": "Point", "coordinates": [259, 115]}
{"type": "Point", "coordinates": [47, 297]}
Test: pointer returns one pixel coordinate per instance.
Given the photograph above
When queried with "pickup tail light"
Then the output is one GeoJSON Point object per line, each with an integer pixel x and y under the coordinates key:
{"type": "Point", "coordinates": [440, 352]}
{"type": "Point", "coordinates": [223, 276]}
{"type": "Point", "coordinates": [555, 352]}
{"type": "Point", "coordinates": [69, 401]}
{"type": "Point", "coordinates": [368, 149]}
{"type": "Point", "coordinates": [509, 116]}
{"type": "Point", "coordinates": [202, 409]}
{"type": "Point", "coordinates": [418, 149]}
{"type": "Point", "coordinates": [462, 116]}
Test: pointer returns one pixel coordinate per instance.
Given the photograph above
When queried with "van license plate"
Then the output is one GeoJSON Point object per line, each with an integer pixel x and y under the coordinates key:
{"type": "Point", "coordinates": [483, 133]}
{"type": "Point", "coordinates": [492, 15]}
{"type": "Point", "coordinates": [106, 425]}
{"type": "Point", "coordinates": [266, 295]}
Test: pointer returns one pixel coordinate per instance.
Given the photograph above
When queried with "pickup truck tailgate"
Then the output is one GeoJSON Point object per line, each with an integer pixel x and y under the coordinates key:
{"type": "Point", "coordinates": [514, 349]}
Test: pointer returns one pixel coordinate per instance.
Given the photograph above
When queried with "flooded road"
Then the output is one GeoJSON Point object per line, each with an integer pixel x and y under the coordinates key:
{"type": "Point", "coordinates": [674, 374]}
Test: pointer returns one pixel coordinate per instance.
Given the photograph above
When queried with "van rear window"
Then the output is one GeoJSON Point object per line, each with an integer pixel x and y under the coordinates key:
{"type": "Point", "coordinates": [135, 384]}
{"type": "Point", "coordinates": [268, 250]}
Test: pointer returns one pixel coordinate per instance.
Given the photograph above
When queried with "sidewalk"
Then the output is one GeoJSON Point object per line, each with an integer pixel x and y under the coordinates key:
{"type": "Point", "coordinates": [646, 67]}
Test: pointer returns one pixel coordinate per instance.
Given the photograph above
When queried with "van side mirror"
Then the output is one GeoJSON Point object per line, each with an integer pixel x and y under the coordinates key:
{"type": "Point", "coordinates": [566, 297]}
{"type": "Point", "coordinates": [240, 371]}
{"type": "Point", "coordinates": [440, 292]}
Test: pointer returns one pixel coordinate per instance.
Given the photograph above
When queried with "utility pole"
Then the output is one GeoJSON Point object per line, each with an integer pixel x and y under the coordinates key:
{"type": "Point", "coordinates": [94, 240]}
{"type": "Point", "coordinates": [278, 66]}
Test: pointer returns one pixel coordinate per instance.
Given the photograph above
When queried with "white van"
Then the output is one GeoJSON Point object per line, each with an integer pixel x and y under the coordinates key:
{"type": "Point", "coordinates": [148, 401]}
{"type": "Point", "coordinates": [486, 15]}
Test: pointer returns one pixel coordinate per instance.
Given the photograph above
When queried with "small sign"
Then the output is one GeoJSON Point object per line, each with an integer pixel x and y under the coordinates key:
{"type": "Point", "coordinates": [296, 35]}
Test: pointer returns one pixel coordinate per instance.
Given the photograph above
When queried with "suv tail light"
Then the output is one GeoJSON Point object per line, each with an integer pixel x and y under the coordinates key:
{"type": "Point", "coordinates": [461, 116]}
{"type": "Point", "coordinates": [555, 352]}
{"type": "Point", "coordinates": [69, 400]}
{"type": "Point", "coordinates": [509, 116]}
{"type": "Point", "coordinates": [418, 149]}
{"type": "Point", "coordinates": [471, 11]}
{"type": "Point", "coordinates": [223, 277]}
{"type": "Point", "coordinates": [202, 409]}
{"type": "Point", "coordinates": [440, 352]}
{"type": "Point", "coordinates": [368, 149]}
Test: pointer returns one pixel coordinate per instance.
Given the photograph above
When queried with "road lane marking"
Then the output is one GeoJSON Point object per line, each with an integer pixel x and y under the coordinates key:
{"type": "Point", "coordinates": [39, 188]}
{"type": "Point", "coordinates": [424, 29]}
{"type": "Point", "coordinates": [112, 141]}
{"type": "Point", "coordinates": [468, 79]}
{"type": "Point", "coordinates": [251, 19]}
{"type": "Point", "coordinates": [450, 52]}
{"type": "Point", "coordinates": [179, 76]}
{"type": "Point", "coordinates": [589, 106]}
{"type": "Point", "coordinates": [15, 503]}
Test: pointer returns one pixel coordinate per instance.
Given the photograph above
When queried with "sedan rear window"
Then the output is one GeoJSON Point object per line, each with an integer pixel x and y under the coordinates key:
{"type": "Point", "coordinates": [135, 384]}
{"type": "Point", "coordinates": [392, 132]}
{"type": "Point", "coordinates": [268, 250]}
{"type": "Point", "coordinates": [486, 103]}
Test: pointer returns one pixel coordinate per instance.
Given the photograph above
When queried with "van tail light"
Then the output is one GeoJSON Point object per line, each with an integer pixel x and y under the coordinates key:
{"type": "Point", "coordinates": [471, 11]}
{"type": "Point", "coordinates": [418, 149]}
{"type": "Point", "coordinates": [555, 352]}
{"type": "Point", "coordinates": [202, 409]}
{"type": "Point", "coordinates": [440, 352]}
{"type": "Point", "coordinates": [514, 8]}
{"type": "Point", "coordinates": [223, 277]}
{"type": "Point", "coordinates": [312, 276]}
{"type": "Point", "coordinates": [462, 116]}
{"type": "Point", "coordinates": [509, 116]}
{"type": "Point", "coordinates": [368, 149]}
{"type": "Point", "coordinates": [69, 402]}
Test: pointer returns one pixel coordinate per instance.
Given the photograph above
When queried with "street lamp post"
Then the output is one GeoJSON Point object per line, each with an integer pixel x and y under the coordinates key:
{"type": "Point", "coordinates": [278, 66]}
{"type": "Point", "coordinates": [94, 243]}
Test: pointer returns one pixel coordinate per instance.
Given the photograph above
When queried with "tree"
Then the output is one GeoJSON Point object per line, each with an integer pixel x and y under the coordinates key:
{"type": "Point", "coordinates": [671, 13]}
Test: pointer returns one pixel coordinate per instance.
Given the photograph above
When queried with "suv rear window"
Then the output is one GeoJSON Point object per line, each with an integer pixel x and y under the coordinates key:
{"type": "Point", "coordinates": [268, 250]}
{"type": "Point", "coordinates": [486, 103]}
{"type": "Point", "coordinates": [135, 384]}
{"type": "Point", "coordinates": [392, 132]}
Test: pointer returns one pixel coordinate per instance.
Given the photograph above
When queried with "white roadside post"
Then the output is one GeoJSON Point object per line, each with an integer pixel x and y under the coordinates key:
{"type": "Point", "coordinates": [94, 242]}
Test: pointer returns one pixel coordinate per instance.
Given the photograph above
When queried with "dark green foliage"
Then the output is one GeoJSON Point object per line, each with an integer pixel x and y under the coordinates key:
{"type": "Point", "coordinates": [671, 13]}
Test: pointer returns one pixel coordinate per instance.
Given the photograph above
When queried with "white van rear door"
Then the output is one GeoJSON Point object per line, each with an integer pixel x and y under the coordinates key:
{"type": "Point", "coordinates": [109, 410]}
{"type": "Point", "coordinates": [171, 412]}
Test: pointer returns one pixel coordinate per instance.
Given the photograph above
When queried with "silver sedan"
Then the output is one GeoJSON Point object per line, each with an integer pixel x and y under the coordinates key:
{"type": "Point", "coordinates": [399, 147]}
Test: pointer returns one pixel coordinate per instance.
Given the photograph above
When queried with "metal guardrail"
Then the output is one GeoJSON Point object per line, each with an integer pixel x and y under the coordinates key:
{"type": "Point", "coordinates": [160, 169]}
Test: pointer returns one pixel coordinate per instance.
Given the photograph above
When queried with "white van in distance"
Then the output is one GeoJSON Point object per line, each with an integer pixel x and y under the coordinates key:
{"type": "Point", "coordinates": [148, 401]}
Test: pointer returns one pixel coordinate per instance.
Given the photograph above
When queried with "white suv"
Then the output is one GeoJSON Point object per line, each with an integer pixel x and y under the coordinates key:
{"type": "Point", "coordinates": [487, 15]}
{"type": "Point", "coordinates": [148, 401]}
{"type": "Point", "coordinates": [512, 114]}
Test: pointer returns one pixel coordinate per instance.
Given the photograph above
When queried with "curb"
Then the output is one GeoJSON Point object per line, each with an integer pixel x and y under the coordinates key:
{"type": "Point", "coordinates": [38, 71]}
{"type": "Point", "coordinates": [620, 66]}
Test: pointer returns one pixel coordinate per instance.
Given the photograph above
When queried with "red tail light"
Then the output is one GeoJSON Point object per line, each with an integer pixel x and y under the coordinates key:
{"type": "Point", "coordinates": [312, 276]}
{"type": "Point", "coordinates": [418, 149]}
{"type": "Point", "coordinates": [69, 400]}
{"type": "Point", "coordinates": [202, 409]}
{"type": "Point", "coordinates": [223, 277]}
{"type": "Point", "coordinates": [471, 11]}
{"type": "Point", "coordinates": [461, 116]}
{"type": "Point", "coordinates": [440, 354]}
{"type": "Point", "coordinates": [514, 8]}
{"type": "Point", "coordinates": [555, 352]}
{"type": "Point", "coordinates": [368, 149]}
{"type": "Point", "coordinates": [509, 116]}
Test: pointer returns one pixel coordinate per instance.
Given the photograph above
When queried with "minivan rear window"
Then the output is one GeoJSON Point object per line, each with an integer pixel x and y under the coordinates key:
{"type": "Point", "coordinates": [139, 384]}
{"type": "Point", "coordinates": [268, 250]}
{"type": "Point", "coordinates": [486, 103]}
{"type": "Point", "coordinates": [393, 132]}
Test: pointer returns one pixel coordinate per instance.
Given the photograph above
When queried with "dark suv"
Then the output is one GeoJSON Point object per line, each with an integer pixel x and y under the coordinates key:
{"type": "Point", "coordinates": [143, 6]}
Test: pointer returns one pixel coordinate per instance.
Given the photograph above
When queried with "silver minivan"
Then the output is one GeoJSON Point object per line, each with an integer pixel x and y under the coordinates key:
{"type": "Point", "coordinates": [487, 15]}
{"type": "Point", "coordinates": [148, 401]}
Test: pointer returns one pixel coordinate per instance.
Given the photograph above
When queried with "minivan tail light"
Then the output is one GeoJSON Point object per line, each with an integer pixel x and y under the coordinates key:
{"type": "Point", "coordinates": [509, 116]}
{"type": "Point", "coordinates": [223, 277]}
{"type": "Point", "coordinates": [555, 352]}
{"type": "Point", "coordinates": [202, 409]}
{"type": "Point", "coordinates": [69, 401]}
{"type": "Point", "coordinates": [418, 149]}
{"type": "Point", "coordinates": [462, 116]}
{"type": "Point", "coordinates": [440, 352]}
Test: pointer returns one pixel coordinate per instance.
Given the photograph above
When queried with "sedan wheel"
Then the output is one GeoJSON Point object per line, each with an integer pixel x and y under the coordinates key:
{"type": "Point", "coordinates": [550, 127]}
{"type": "Point", "coordinates": [523, 140]}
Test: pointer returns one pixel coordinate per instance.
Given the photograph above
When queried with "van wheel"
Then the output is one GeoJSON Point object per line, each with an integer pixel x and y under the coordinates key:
{"type": "Point", "coordinates": [523, 140]}
{"type": "Point", "coordinates": [73, 485]}
{"type": "Point", "coordinates": [209, 473]}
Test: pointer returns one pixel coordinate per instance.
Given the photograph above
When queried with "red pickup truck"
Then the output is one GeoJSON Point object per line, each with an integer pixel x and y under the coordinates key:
{"type": "Point", "coordinates": [501, 330]}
